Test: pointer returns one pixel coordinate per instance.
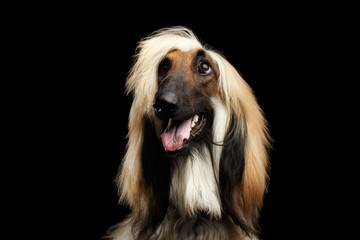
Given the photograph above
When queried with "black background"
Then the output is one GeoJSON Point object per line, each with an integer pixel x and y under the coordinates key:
{"type": "Point", "coordinates": [79, 58]}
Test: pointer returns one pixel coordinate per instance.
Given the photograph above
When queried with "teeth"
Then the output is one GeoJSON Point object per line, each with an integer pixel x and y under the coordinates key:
{"type": "Point", "coordinates": [194, 121]}
{"type": "Point", "coordinates": [196, 118]}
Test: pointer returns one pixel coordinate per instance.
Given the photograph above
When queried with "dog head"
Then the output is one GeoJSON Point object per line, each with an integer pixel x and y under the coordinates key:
{"type": "Point", "coordinates": [187, 81]}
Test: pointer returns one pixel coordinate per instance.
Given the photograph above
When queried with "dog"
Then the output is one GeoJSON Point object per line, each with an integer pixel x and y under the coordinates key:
{"type": "Point", "coordinates": [196, 163]}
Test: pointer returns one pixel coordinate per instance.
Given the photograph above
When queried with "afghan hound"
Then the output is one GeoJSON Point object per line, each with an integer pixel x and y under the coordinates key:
{"type": "Point", "coordinates": [196, 162]}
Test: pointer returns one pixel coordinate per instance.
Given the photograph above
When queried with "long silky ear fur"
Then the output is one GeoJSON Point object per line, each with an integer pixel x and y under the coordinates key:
{"type": "Point", "coordinates": [156, 173]}
{"type": "Point", "coordinates": [231, 171]}
{"type": "Point", "coordinates": [149, 195]}
{"type": "Point", "coordinates": [243, 170]}
{"type": "Point", "coordinates": [144, 176]}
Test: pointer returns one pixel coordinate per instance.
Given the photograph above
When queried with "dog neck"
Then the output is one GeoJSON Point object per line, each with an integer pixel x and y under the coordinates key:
{"type": "Point", "coordinates": [194, 185]}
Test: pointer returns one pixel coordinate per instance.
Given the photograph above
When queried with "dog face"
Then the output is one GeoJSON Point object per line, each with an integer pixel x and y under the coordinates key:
{"type": "Point", "coordinates": [186, 82]}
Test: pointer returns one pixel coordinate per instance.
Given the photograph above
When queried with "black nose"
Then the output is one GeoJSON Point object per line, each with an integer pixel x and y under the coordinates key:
{"type": "Point", "coordinates": [165, 104]}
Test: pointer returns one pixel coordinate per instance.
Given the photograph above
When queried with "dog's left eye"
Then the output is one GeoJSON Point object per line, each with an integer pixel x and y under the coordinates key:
{"type": "Point", "coordinates": [204, 68]}
{"type": "Point", "coordinates": [164, 66]}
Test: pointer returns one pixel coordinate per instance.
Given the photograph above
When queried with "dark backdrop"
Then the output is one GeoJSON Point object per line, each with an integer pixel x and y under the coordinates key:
{"type": "Point", "coordinates": [85, 57]}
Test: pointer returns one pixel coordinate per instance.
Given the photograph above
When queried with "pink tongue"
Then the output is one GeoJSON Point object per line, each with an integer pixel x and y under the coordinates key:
{"type": "Point", "coordinates": [175, 133]}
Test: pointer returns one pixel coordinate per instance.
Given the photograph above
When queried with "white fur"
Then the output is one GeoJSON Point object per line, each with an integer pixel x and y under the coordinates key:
{"type": "Point", "coordinates": [194, 187]}
{"type": "Point", "coordinates": [220, 125]}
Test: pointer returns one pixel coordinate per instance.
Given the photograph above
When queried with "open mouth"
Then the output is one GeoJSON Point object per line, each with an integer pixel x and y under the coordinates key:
{"type": "Point", "coordinates": [179, 133]}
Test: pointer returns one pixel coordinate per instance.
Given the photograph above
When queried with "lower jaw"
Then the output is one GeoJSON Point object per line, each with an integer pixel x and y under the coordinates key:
{"type": "Point", "coordinates": [181, 152]}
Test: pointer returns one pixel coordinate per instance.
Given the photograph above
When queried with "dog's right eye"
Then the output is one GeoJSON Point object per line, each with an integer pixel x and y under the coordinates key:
{"type": "Point", "coordinates": [164, 66]}
{"type": "Point", "coordinates": [204, 68]}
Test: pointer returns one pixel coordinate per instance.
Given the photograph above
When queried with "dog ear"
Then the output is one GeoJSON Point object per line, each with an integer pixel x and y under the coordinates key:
{"type": "Point", "coordinates": [243, 170]}
{"type": "Point", "coordinates": [144, 177]}
{"type": "Point", "coordinates": [156, 174]}
{"type": "Point", "coordinates": [231, 171]}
